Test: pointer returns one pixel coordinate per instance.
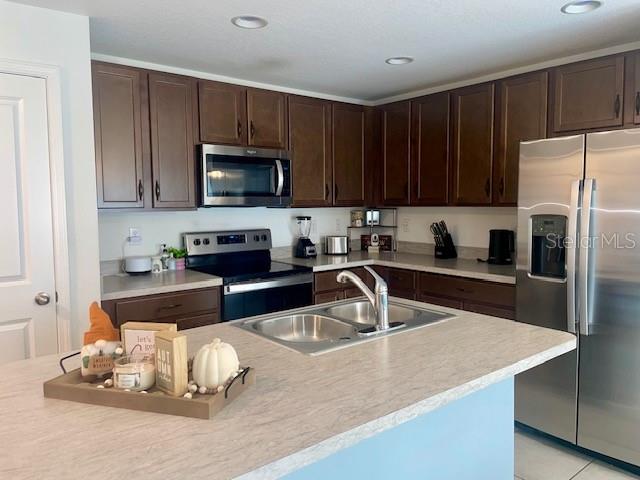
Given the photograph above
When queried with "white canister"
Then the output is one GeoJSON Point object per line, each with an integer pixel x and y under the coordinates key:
{"type": "Point", "coordinates": [171, 264]}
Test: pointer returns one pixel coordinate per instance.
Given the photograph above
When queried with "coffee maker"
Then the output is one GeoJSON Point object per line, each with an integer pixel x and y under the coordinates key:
{"type": "Point", "coordinates": [501, 247]}
{"type": "Point", "coordinates": [304, 246]}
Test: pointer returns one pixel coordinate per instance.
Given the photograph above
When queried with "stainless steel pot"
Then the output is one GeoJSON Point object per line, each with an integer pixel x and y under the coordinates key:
{"type": "Point", "coordinates": [336, 245]}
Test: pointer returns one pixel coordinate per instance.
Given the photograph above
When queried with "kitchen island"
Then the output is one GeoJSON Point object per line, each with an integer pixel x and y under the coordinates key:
{"type": "Point", "coordinates": [326, 416]}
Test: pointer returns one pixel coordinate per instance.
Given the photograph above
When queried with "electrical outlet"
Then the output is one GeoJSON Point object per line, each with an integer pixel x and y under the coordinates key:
{"type": "Point", "coordinates": [338, 225]}
{"type": "Point", "coordinates": [134, 235]}
{"type": "Point", "coordinates": [405, 225]}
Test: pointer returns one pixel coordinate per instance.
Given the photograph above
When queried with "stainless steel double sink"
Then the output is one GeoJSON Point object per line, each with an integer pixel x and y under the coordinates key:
{"type": "Point", "coordinates": [319, 329]}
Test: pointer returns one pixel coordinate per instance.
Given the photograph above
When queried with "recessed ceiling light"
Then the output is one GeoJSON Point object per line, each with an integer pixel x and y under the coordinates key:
{"type": "Point", "coordinates": [581, 6]}
{"type": "Point", "coordinates": [249, 21]}
{"type": "Point", "coordinates": [399, 60]}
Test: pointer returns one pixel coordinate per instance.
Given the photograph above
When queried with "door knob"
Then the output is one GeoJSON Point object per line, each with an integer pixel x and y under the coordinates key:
{"type": "Point", "coordinates": [42, 298]}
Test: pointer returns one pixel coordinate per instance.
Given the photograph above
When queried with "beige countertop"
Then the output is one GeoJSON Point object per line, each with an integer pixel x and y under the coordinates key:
{"type": "Point", "coordinates": [122, 285]}
{"type": "Point", "coordinates": [460, 267]}
{"type": "Point", "coordinates": [301, 409]}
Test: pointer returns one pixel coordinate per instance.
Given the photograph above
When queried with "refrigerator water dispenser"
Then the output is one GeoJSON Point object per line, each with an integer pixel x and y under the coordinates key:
{"type": "Point", "coordinates": [548, 237]}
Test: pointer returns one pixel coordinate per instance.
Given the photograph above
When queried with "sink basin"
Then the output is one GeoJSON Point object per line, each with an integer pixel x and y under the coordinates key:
{"type": "Point", "coordinates": [316, 329]}
{"type": "Point", "coordinates": [304, 328]}
{"type": "Point", "coordinates": [362, 312]}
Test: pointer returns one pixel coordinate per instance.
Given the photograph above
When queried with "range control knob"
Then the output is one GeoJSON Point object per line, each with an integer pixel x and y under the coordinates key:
{"type": "Point", "coordinates": [264, 238]}
{"type": "Point", "coordinates": [256, 238]}
{"type": "Point", "coordinates": [196, 242]}
{"type": "Point", "coordinates": [206, 241]}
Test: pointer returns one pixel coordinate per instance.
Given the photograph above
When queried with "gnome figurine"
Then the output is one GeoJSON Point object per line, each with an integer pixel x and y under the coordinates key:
{"type": "Point", "coordinates": [101, 344]}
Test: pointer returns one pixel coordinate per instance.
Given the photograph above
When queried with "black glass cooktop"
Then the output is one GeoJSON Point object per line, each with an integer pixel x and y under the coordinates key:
{"type": "Point", "coordinates": [236, 267]}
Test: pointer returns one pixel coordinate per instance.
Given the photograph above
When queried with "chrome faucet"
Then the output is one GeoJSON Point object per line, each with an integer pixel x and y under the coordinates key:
{"type": "Point", "coordinates": [379, 300]}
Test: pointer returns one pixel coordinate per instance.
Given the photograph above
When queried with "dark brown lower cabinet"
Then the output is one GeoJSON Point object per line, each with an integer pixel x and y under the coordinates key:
{"type": "Point", "coordinates": [189, 309]}
{"type": "Point", "coordinates": [490, 298]}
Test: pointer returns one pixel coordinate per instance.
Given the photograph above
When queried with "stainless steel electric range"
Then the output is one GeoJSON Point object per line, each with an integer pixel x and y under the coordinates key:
{"type": "Point", "coordinates": [253, 284]}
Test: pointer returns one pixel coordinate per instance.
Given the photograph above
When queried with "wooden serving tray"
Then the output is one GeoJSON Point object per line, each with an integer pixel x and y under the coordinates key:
{"type": "Point", "coordinates": [71, 386]}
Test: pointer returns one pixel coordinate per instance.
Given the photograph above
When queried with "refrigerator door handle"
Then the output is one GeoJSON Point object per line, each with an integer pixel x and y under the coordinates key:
{"type": "Point", "coordinates": [585, 248]}
{"type": "Point", "coordinates": [572, 234]}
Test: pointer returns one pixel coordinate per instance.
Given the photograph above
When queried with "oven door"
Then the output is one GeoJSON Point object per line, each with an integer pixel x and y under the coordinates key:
{"type": "Point", "coordinates": [248, 299]}
{"type": "Point", "coordinates": [250, 177]}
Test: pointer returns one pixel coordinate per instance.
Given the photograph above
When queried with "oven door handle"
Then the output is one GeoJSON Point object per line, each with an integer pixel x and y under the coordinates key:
{"type": "Point", "coordinates": [252, 286]}
{"type": "Point", "coordinates": [280, 179]}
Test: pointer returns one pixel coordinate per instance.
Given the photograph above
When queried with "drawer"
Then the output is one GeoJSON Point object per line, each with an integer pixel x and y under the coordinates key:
{"type": "Point", "coordinates": [443, 301]}
{"type": "Point", "coordinates": [399, 279]}
{"type": "Point", "coordinates": [326, 281]}
{"type": "Point", "coordinates": [408, 294]}
{"type": "Point", "coordinates": [353, 293]}
{"type": "Point", "coordinates": [198, 320]}
{"type": "Point", "coordinates": [166, 306]}
{"type": "Point", "coordinates": [467, 289]}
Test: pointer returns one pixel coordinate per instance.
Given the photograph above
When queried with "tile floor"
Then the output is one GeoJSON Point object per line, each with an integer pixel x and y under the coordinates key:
{"type": "Point", "coordinates": [538, 458]}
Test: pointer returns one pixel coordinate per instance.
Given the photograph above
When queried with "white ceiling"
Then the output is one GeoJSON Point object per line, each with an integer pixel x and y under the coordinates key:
{"type": "Point", "coordinates": [338, 47]}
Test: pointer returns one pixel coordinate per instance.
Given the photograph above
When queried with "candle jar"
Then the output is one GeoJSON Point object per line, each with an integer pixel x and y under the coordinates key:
{"type": "Point", "coordinates": [134, 372]}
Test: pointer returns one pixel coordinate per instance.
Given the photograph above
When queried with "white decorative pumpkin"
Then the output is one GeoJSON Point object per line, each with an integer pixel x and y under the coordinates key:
{"type": "Point", "coordinates": [214, 364]}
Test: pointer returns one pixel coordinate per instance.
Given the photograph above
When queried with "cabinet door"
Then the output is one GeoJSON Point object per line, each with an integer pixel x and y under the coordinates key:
{"type": "Point", "coordinates": [223, 113]}
{"type": "Point", "coordinates": [588, 94]}
{"type": "Point", "coordinates": [430, 150]}
{"type": "Point", "coordinates": [396, 137]}
{"type": "Point", "coordinates": [521, 114]}
{"type": "Point", "coordinates": [172, 148]}
{"type": "Point", "coordinates": [472, 144]}
{"type": "Point", "coordinates": [117, 115]}
{"type": "Point", "coordinates": [310, 139]}
{"type": "Point", "coordinates": [348, 154]}
{"type": "Point", "coordinates": [267, 115]}
{"type": "Point", "coordinates": [636, 90]}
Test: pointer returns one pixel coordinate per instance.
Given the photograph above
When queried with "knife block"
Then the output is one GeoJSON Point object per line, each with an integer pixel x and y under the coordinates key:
{"type": "Point", "coordinates": [448, 250]}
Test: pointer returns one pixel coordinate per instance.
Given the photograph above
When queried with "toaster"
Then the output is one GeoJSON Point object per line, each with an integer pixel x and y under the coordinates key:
{"type": "Point", "coordinates": [336, 245]}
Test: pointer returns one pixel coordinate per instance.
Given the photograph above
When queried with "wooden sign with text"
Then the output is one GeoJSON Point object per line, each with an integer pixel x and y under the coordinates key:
{"type": "Point", "coordinates": [172, 374]}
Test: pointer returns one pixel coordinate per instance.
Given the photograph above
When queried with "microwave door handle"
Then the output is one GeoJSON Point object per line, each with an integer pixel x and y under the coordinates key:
{"type": "Point", "coordinates": [585, 247]}
{"type": "Point", "coordinates": [279, 179]}
{"type": "Point", "coordinates": [571, 247]}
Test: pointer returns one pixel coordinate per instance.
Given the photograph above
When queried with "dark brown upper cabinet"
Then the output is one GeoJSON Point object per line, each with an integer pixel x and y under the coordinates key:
{"type": "Point", "coordinates": [588, 95]}
{"type": "Point", "coordinates": [348, 124]}
{"type": "Point", "coordinates": [430, 149]}
{"type": "Point", "coordinates": [636, 90]}
{"type": "Point", "coordinates": [396, 139]}
{"type": "Point", "coordinates": [472, 152]}
{"type": "Point", "coordinates": [222, 113]}
{"type": "Point", "coordinates": [521, 114]}
{"type": "Point", "coordinates": [172, 149]}
{"type": "Point", "coordinates": [267, 117]}
{"type": "Point", "coordinates": [117, 114]}
{"type": "Point", "coordinates": [310, 148]}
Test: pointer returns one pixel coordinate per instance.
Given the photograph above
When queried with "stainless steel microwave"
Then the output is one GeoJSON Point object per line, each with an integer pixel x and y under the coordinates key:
{"type": "Point", "coordinates": [244, 177]}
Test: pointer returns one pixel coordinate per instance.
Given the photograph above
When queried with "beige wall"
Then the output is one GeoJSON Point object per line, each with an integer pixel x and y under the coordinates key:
{"type": "Point", "coordinates": [45, 36]}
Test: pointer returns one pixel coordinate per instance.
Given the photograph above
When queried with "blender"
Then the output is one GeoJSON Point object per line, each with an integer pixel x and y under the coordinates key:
{"type": "Point", "coordinates": [304, 247]}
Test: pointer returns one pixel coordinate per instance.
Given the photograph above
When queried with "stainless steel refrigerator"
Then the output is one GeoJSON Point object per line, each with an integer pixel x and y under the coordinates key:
{"type": "Point", "coordinates": [578, 269]}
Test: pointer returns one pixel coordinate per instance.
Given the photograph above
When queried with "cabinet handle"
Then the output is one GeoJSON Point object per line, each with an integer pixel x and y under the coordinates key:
{"type": "Point", "coordinates": [487, 188]}
{"type": "Point", "coordinates": [170, 307]}
{"type": "Point", "coordinates": [239, 129]}
{"type": "Point", "coordinates": [326, 191]}
{"type": "Point", "coordinates": [501, 187]}
{"type": "Point", "coordinates": [140, 189]}
{"type": "Point", "coordinates": [335, 190]}
{"type": "Point", "coordinates": [637, 103]}
{"type": "Point", "coordinates": [616, 105]}
{"type": "Point", "coordinates": [157, 190]}
{"type": "Point", "coordinates": [252, 129]}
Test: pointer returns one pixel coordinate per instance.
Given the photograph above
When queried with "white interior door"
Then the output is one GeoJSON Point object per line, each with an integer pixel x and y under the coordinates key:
{"type": "Point", "coordinates": [28, 324]}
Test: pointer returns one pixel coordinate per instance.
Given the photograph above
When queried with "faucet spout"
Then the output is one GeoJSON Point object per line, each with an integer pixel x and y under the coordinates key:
{"type": "Point", "coordinates": [379, 298]}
